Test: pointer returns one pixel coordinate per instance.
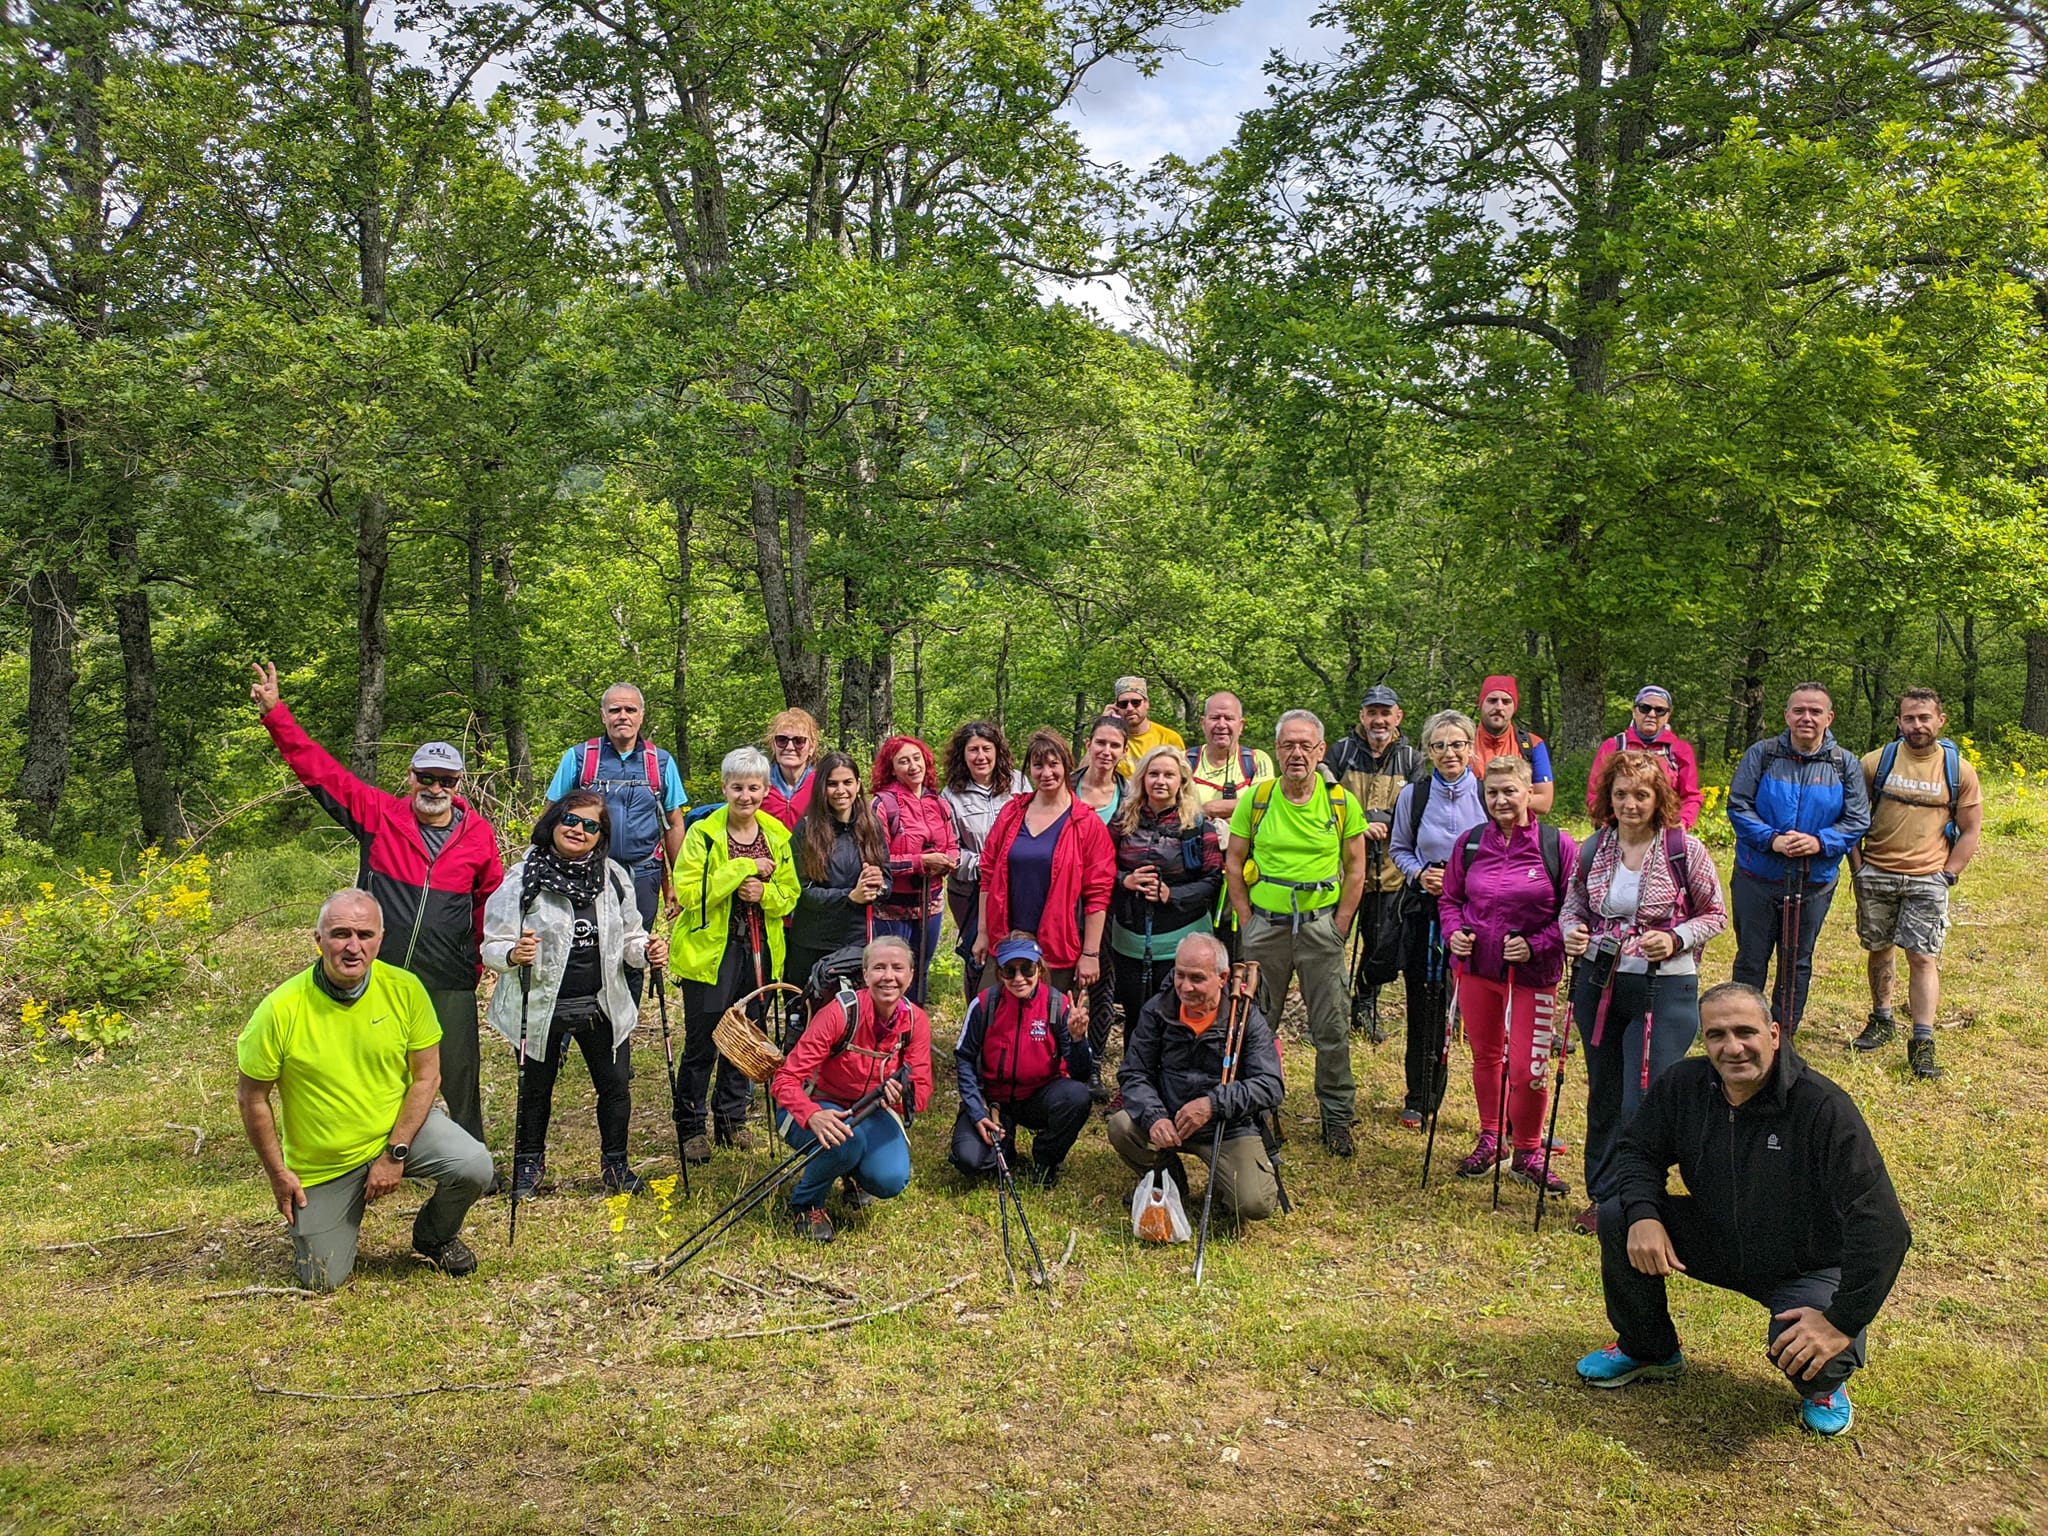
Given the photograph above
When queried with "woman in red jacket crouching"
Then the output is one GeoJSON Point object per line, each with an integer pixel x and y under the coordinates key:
{"type": "Point", "coordinates": [833, 1067]}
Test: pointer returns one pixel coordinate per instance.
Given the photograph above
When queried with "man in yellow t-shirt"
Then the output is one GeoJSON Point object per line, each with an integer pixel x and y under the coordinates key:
{"type": "Point", "coordinates": [1296, 870]}
{"type": "Point", "coordinates": [1132, 700]}
{"type": "Point", "coordinates": [353, 1049]}
{"type": "Point", "coordinates": [1926, 817]}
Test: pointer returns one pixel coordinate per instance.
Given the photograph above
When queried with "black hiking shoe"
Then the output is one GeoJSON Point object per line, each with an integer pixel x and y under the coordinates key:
{"type": "Point", "coordinates": [526, 1176]}
{"type": "Point", "coordinates": [1337, 1139]}
{"type": "Point", "coordinates": [735, 1135]}
{"type": "Point", "coordinates": [1098, 1090]}
{"type": "Point", "coordinates": [1043, 1175]}
{"type": "Point", "coordinates": [451, 1258]}
{"type": "Point", "coordinates": [1877, 1034]}
{"type": "Point", "coordinates": [1365, 1016]}
{"type": "Point", "coordinates": [813, 1225]}
{"type": "Point", "coordinates": [1920, 1057]}
{"type": "Point", "coordinates": [620, 1179]}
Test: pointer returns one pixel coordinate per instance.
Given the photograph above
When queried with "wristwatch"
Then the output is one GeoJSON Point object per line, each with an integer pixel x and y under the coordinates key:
{"type": "Point", "coordinates": [399, 1151]}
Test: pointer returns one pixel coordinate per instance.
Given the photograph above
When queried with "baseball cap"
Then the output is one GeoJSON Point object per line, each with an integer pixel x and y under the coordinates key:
{"type": "Point", "coordinates": [1126, 685]}
{"type": "Point", "coordinates": [1380, 693]}
{"type": "Point", "coordinates": [440, 757]}
{"type": "Point", "coordinates": [1020, 948]}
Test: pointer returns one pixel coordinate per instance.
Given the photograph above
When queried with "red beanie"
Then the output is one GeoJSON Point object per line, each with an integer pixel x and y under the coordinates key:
{"type": "Point", "coordinates": [1500, 682]}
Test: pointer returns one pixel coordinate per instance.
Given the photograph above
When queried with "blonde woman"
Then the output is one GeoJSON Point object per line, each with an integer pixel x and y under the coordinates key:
{"type": "Point", "coordinates": [1169, 871]}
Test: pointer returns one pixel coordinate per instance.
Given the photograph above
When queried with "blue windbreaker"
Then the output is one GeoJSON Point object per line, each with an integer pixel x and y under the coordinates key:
{"type": "Point", "coordinates": [1779, 789]}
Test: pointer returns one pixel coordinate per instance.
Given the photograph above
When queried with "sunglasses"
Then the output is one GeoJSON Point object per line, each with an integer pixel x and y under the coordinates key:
{"type": "Point", "coordinates": [437, 780]}
{"type": "Point", "coordinates": [576, 823]}
{"type": "Point", "coordinates": [1653, 709]}
{"type": "Point", "coordinates": [1128, 703]}
{"type": "Point", "coordinates": [792, 741]}
{"type": "Point", "coordinates": [1017, 970]}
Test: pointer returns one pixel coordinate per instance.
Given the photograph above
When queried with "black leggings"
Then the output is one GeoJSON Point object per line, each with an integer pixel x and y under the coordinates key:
{"type": "Point", "coordinates": [611, 1074]}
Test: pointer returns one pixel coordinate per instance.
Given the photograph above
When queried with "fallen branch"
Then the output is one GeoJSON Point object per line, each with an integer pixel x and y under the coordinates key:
{"type": "Point", "coordinates": [198, 1134]}
{"type": "Point", "coordinates": [1073, 1235]}
{"type": "Point", "coordinates": [111, 1237]}
{"type": "Point", "coordinates": [838, 1322]}
{"type": "Point", "coordinates": [734, 1280]}
{"type": "Point", "coordinates": [262, 1290]}
{"type": "Point", "coordinates": [829, 1287]}
{"type": "Point", "coordinates": [261, 1390]}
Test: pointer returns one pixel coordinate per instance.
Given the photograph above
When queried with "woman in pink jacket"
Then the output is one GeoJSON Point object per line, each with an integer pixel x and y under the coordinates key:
{"type": "Point", "coordinates": [1504, 885]}
{"type": "Point", "coordinates": [922, 851]}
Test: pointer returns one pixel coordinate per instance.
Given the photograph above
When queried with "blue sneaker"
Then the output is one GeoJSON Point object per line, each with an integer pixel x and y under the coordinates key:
{"type": "Point", "coordinates": [1828, 1415]}
{"type": "Point", "coordinates": [1609, 1367]}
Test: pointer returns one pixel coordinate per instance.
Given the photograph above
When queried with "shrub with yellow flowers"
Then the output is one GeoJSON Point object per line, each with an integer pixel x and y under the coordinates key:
{"type": "Point", "coordinates": [75, 957]}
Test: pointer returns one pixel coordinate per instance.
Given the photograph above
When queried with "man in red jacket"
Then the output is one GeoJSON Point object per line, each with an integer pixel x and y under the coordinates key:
{"type": "Point", "coordinates": [832, 1067]}
{"type": "Point", "coordinates": [430, 860]}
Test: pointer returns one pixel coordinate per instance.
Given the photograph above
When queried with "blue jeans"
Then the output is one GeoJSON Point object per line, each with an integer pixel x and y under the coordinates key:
{"type": "Point", "coordinates": [876, 1154]}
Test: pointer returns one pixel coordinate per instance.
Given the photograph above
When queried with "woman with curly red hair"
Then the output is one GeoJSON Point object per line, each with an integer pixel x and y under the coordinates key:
{"type": "Point", "coordinates": [922, 850]}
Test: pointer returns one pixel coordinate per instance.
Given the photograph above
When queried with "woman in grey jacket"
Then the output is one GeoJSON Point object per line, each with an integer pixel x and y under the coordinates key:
{"type": "Point", "coordinates": [980, 780]}
{"type": "Point", "coordinates": [569, 913]}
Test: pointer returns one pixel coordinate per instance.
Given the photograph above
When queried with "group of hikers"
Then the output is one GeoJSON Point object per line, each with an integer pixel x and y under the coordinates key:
{"type": "Point", "coordinates": [1124, 876]}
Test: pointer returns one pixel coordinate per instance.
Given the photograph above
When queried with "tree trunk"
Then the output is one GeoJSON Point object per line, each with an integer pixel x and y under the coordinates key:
{"type": "Point", "coordinates": [2034, 703]}
{"type": "Point", "coordinates": [917, 683]}
{"type": "Point", "coordinates": [1582, 690]}
{"type": "Point", "coordinates": [163, 821]}
{"type": "Point", "coordinates": [52, 600]}
{"type": "Point", "coordinates": [483, 673]}
{"type": "Point", "coordinates": [1003, 677]}
{"type": "Point", "coordinates": [373, 561]}
{"type": "Point", "coordinates": [511, 668]}
{"type": "Point", "coordinates": [785, 596]}
{"type": "Point", "coordinates": [1969, 673]}
{"type": "Point", "coordinates": [679, 686]}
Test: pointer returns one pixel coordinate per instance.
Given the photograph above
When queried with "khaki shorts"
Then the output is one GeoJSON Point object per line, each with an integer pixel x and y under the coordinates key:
{"type": "Point", "coordinates": [1907, 911]}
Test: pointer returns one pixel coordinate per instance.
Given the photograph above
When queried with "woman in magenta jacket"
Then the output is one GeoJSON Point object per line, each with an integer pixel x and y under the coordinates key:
{"type": "Point", "coordinates": [1504, 885]}
{"type": "Point", "coordinates": [1047, 869]}
{"type": "Point", "coordinates": [922, 851]}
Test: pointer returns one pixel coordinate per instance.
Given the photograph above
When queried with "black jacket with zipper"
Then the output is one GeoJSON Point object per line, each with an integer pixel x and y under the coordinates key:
{"type": "Point", "coordinates": [1167, 1065]}
{"type": "Point", "coordinates": [1788, 1182]}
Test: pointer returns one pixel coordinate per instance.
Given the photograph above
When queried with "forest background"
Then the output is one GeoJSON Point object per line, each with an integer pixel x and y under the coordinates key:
{"type": "Point", "coordinates": [464, 358]}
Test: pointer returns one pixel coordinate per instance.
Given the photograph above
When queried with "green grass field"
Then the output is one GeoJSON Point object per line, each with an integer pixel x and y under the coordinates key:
{"type": "Point", "coordinates": [1382, 1360]}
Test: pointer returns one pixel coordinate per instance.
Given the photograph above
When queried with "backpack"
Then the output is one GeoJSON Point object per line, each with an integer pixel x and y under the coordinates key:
{"type": "Point", "coordinates": [1262, 801]}
{"type": "Point", "coordinates": [1951, 770]}
{"type": "Point", "coordinates": [1425, 777]}
{"type": "Point", "coordinates": [1547, 842]}
{"type": "Point", "coordinates": [1674, 855]}
{"type": "Point", "coordinates": [587, 775]}
{"type": "Point", "coordinates": [1247, 765]}
{"type": "Point", "coordinates": [1660, 746]}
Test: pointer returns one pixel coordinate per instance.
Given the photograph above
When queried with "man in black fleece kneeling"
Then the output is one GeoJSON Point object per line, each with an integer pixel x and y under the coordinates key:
{"type": "Point", "coordinates": [1788, 1203]}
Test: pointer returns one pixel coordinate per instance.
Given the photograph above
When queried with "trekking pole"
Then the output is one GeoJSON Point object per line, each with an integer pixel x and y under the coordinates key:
{"type": "Point", "coordinates": [757, 943]}
{"type": "Point", "coordinates": [519, 1095]}
{"type": "Point", "coordinates": [1244, 980]}
{"type": "Point", "coordinates": [1006, 1181]}
{"type": "Point", "coordinates": [1439, 1067]}
{"type": "Point", "coordinates": [657, 980]}
{"type": "Point", "coordinates": [1649, 1019]}
{"type": "Point", "coordinates": [1798, 930]}
{"type": "Point", "coordinates": [1564, 1051]}
{"type": "Point", "coordinates": [1369, 945]}
{"type": "Point", "coordinates": [741, 1205]}
{"type": "Point", "coordinates": [1507, 1033]}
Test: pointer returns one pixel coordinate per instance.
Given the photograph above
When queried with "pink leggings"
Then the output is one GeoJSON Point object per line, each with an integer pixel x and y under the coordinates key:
{"type": "Point", "coordinates": [1483, 1004]}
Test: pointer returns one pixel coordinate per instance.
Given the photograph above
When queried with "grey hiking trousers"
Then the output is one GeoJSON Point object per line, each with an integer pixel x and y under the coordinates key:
{"type": "Point", "coordinates": [325, 1231]}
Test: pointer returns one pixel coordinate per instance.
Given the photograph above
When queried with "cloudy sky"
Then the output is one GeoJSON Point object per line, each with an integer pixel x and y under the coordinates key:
{"type": "Point", "coordinates": [1191, 106]}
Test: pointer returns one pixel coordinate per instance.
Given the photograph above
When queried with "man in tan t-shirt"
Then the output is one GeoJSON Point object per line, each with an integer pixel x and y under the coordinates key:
{"type": "Point", "coordinates": [1912, 856]}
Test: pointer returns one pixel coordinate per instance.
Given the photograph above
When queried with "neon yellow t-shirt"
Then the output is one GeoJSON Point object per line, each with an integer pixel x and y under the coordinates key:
{"type": "Point", "coordinates": [1299, 843]}
{"type": "Point", "coordinates": [1154, 735]}
{"type": "Point", "coordinates": [341, 1072]}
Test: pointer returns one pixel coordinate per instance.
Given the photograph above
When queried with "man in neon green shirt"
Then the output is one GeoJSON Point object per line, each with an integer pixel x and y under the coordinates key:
{"type": "Point", "coordinates": [1296, 869]}
{"type": "Point", "coordinates": [353, 1048]}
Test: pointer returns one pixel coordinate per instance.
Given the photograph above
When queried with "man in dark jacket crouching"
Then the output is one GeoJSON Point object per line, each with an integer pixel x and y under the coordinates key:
{"type": "Point", "coordinates": [1171, 1079]}
{"type": "Point", "coordinates": [1788, 1203]}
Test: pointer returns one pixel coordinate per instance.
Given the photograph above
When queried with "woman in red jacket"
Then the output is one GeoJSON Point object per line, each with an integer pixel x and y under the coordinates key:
{"type": "Point", "coordinates": [922, 851]}
{"type": "Point", "coordinates": [832, 1068]}
{"type": "Point", "coordinates": [1047, 869]}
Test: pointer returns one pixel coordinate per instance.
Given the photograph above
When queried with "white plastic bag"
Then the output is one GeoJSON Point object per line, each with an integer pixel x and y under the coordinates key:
{"type": "Point", "coordinates": [1157, 1215]}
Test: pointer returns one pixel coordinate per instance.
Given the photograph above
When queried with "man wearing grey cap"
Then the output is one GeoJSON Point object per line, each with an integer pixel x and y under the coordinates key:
{"type": "Point", "coordinates": [1132, 700]}
{"type": "Point", "coordinates": [429, 859]}
{"type": "Point", "coordinates": [1650, 731]}
{"type": "Point", "coordinates": [1373, 761]}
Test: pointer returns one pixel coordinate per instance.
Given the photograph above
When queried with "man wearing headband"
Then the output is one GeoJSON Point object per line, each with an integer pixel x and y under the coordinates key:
{"type": "Point", "coordinates": [1650, 731]}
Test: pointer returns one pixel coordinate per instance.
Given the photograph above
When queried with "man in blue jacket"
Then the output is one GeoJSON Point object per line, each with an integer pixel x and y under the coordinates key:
{"type": "Point", "coordinates": [1799, 804]}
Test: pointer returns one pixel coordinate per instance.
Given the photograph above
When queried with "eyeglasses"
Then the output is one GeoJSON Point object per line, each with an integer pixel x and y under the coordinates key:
{"type": "Point", "coordinates": [1449, 746]}
{"type": "Point", "coordinates": [792, 741]}
{"type": "Point", "coordinates": [577, 823]}
{"type": "Point", "coordinates": [1128, 703]}
{"type": "Point", "coordinates": [1017, 970]}
{"type": "Point", "coordinates": [436, 780]}
{"type": "Point", "coordinates": [1653, 709]}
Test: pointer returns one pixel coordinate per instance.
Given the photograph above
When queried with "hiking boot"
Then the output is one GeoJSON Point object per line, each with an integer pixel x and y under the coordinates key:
{"type": "Point", "coordinates": [856, 1198]}
{"type": "Point", "coordinates": [1098, 1090]}
{"type": "Point", "coordinates": [1609, 1367]}
{"type": "Point", "coordinates": [1485, 1153]}
{"type": "Point", "coordinates": [1411, 1119]}
{"type": "Point", "coordinates": [451, 1258]}
{"type": "Point", "coordinates": [1337, 1139]}
{"type": "Point", "coordinates": [738, 1137]}
{"type": "Point", "coordinates": [1920, 1057]}
{"type": "Point", "coordinates": [1533, 1168]}
{"type": "Point", "coordinates": [620, 1179]}
{"type": "Point", "coordinates": [1828, 1415]}
{"type": "Point", "coordinates": [1045, 1175]}
{"type": "Point", "coordinates": [526, 1176]}
{"type": "Point", "coordinates": [1587, 1222]}
{"type": "Point", "coordinates": [1365, 1016]}
{"type": "Point", "coordinates": [697, 1149]}
{"type": "Point", "coordinates": [1877, 1034]}
{"type": "Point", "coordinates": [813, 1224]}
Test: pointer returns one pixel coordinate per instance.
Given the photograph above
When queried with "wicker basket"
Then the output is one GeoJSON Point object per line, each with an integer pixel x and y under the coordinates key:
{"type": "Point", "coordinates": [742, 1042]}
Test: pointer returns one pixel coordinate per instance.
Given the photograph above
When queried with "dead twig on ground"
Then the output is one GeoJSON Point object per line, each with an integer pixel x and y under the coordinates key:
{"type": "Point", "coordinates": [111, 1237]}
{"type": "Point", "coordinates": [838, 1322]}
{"type": "Point", "coordinates": [735, 1281]}
{"type": "Point", "coordinates": [261, 1390]}
{"type": "Point", "coordinates": [262, 1290]}
{"type": "Point", "coordinates": [817, 1282]}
